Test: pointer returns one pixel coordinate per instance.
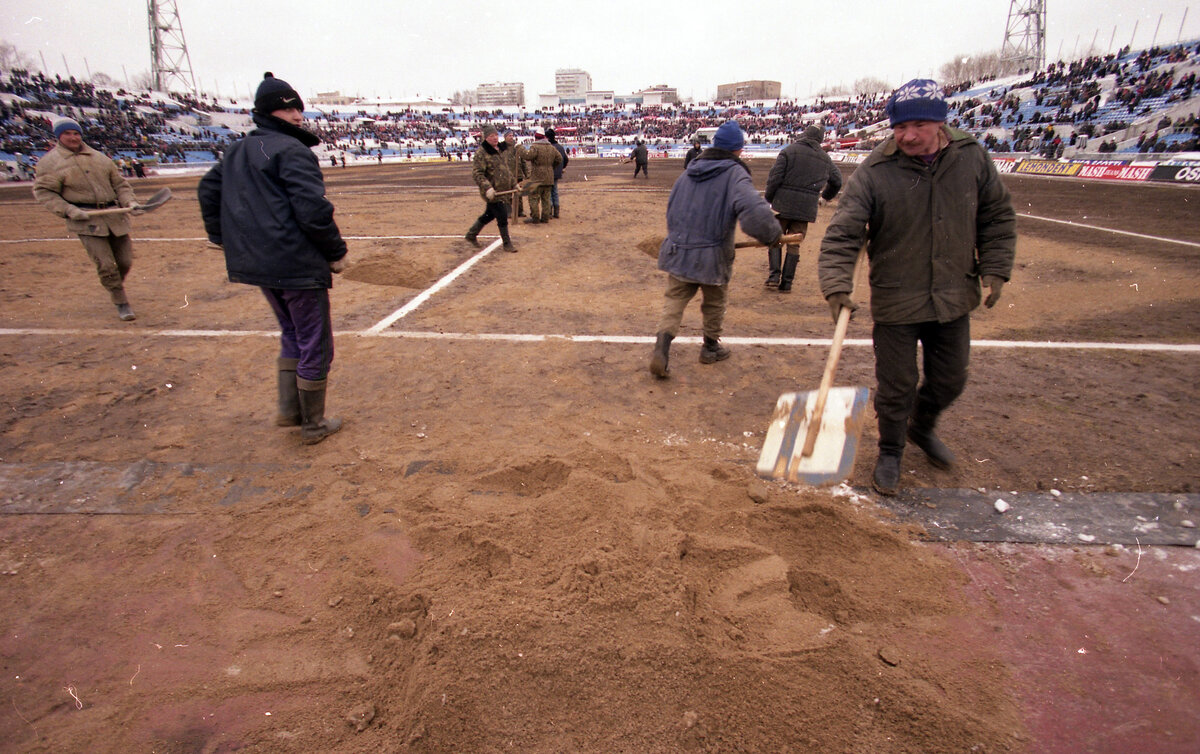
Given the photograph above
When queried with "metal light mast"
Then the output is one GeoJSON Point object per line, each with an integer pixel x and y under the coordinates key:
{"type": "Point", "coordinates": [169, 59]}
{"type": "Point", "coordinates": [1024, 45]}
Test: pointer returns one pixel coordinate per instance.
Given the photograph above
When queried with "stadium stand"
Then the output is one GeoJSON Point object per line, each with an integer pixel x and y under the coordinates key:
{"type": "Point", "coordinates": [1141, 101]}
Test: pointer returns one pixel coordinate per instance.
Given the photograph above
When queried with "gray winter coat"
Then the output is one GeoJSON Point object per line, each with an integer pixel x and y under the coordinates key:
{"type": "Point", "coordinates": [801, 173]}
{"type": "Point", "coordinates": [932, 231]}
{"type": "Point", "coordinates": [707, 203]}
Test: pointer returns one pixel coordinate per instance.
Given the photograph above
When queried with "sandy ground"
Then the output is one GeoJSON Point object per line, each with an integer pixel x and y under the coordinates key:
{"type": "Point", "coordinates": [530, 544]}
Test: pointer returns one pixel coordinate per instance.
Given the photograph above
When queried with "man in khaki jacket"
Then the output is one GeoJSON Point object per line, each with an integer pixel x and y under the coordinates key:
{"type": "Point", "coordinates": [72, 179]}
{"type": "Point", "coordinates": [543, 158]}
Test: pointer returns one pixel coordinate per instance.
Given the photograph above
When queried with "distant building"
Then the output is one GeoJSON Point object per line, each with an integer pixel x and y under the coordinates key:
{"type": "Point", "coordinates": [572, 83]}
{"type": "Point", "coordinates": [506, 94]}
{"type": "Point", "coordinates": [660, 94]}
{"type": "Point", "coordinates": [746, 90]}
{"type": "Point", "coordinates": [333, 98]}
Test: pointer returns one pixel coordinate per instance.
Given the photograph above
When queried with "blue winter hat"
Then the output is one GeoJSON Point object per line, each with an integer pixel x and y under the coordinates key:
{"type": "Point", "coordinates": [729, 137]}
{"type": "Point", "coordinates": [64, 124]}
{"type": "Point", "coordinates": [919, 99]}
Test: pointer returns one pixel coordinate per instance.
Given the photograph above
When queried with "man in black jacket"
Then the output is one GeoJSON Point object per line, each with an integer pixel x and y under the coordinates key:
{"type": "Point", "coordinates": [802, 174]}
{"type": "Point", "coordinates": [265, 204]}
{"type": "Point", "coordinates": [558, 169]}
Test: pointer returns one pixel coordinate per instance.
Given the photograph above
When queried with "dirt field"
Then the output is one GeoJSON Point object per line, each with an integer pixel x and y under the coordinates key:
{"type": "Point", "coordinates": [530, 544]}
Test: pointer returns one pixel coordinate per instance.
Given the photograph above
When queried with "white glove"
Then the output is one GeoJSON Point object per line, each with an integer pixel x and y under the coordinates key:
{"type": "Point", "coordinates": [821, 202]}
{"type": "Point", "coordinates": [75, 213]}
{"type": "Point", "coordinates": [491, 194]}
{"type": "Point", "coordinates": [337, 265]}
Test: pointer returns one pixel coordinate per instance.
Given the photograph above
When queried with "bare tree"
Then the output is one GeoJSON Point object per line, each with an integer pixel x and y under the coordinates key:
{"type": "Point", "coordinates": [980, 66]}
{"type": "Point", "coordinates": [12, 59]}
{"type": "Point", "coordinates": [834, 90]}
{"type": "Point", "coordinates": [871, 85]}
{"type": "Point", "coordinates": [142, 80]}
{"type": "Point", "coordinates": [103, 79]}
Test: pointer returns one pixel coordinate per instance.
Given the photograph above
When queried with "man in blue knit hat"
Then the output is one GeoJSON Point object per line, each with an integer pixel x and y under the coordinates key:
{"type": "Point", "coordinates": [72, 178]}
{"type": "Point", "coordinates": [265, 204]}
{"type": "Point", "coordinates": [938, 224]}
{"type": "Point", "coordinates": [714, 194]}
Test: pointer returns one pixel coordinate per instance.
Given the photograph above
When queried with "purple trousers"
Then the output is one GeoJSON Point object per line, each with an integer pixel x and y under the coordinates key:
{"type": "Point", "coordinates": [306, 329]}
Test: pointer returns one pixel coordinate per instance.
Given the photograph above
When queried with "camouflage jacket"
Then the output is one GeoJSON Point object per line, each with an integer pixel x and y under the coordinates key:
{"type": "Point", "coordinates": [490, 168]}
{"type": "Point", "coordinates": [543, 158]}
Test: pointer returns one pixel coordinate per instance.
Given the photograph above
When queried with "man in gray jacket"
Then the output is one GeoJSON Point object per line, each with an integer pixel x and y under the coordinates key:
{"type": "Point", "coordinates": [937, 222]}
{"type": "Point", "coordinates": [802, 174]}
{"type": "Point", "coordinates": [707, 203]}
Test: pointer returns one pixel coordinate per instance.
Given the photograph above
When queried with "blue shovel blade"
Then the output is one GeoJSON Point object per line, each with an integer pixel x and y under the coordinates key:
{"type": "Point", "coordinates": [832, 459]}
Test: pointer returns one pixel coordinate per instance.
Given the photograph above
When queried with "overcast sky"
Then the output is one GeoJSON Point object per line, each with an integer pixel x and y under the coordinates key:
{"type": "Point", "coordinates": [408, 48]}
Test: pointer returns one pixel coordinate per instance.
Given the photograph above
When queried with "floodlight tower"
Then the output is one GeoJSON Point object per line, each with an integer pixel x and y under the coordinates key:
{"type": "Point", "coordinates": [1025, 36]}
{"type": "Point", "coordinates": [169, 59]}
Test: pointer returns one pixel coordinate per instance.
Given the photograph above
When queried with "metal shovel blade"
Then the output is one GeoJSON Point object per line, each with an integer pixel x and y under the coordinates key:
{"type": "Point", "coordinates": [832, 458]}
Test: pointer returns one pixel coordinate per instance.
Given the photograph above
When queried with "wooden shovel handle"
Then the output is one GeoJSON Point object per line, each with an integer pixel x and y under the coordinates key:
{"type": "Point", "coordinates": [791, 238]}
{"type": "Point", "coordinates": [835, 353]}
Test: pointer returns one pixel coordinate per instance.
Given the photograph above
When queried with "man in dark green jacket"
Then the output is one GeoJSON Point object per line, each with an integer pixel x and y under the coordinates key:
{"type": "Point", "coordinates": [937, 222]}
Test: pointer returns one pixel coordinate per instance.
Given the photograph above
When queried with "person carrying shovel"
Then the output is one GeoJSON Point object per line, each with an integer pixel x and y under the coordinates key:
{"type": "Point", "coordinates": [72, 178]}
{"type": "Point", "coordinates": [707, 203]}
{"type": "Point", "coordinates": [491, 169]}
{"type": "Point", "coordinates": [938, 223]}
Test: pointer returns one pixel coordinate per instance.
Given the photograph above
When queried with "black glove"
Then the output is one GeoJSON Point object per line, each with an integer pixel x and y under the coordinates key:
{"type": "Point", "coordinates": [839, 300]}
{"type": "Point", "coordinates": [994, 283]}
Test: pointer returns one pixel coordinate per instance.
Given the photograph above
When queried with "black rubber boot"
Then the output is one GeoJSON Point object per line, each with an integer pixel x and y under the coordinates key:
{"type": "Point", "coordinates": [289, 394]}
{"type": "Point", "coordinates": [712, 351]}
{"type": "Point", "coordinates": [774, 257]}
{"type": "Point", "coordinates": [920, 431]}
{"type": "Point", "coordinates": [661, 355]}
{"type": "Point", "coordinates": [886, 479]}
{"type": "Point", "coordinates": [473, 234]}
{"type": "Point", "coordinates": [556, 213]}
{"type": "Point", "coordinates": [316, 426]}
{"type": "Point", "coordinates": [789, 272]}
{"type": "Point", "coordinates": [508, 244]}
{"type": "Point", "coordinates": [125, 312]}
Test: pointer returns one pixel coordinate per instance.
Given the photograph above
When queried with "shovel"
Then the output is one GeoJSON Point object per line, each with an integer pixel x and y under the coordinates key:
{"type": "Point", "coordinates": [813, 436]}
{"type": "Point", "coordinates": [652, 244]}
{"type": "Point", "coordinates": [159, 199]}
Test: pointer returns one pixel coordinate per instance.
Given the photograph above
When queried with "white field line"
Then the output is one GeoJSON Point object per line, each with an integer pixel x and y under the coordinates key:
{"type": "Point", "coordinates": [1110, 230]}
{"type": "Point", "coordinates": [373, 332]}
{"type": "Point", "coordinates": [426, 294]}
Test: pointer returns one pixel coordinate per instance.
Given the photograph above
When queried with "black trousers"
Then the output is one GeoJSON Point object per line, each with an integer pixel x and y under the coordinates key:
{"type": "Point", "coordinates": [497, 211]}
{"type": "Point", "coordinates": [946, 350]}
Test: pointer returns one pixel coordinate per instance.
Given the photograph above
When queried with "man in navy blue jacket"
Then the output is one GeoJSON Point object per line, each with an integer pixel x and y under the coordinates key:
{"type": "Point", "coordinates": [265, 203]}
{"type": "Point", "coordinates": [707, 203]}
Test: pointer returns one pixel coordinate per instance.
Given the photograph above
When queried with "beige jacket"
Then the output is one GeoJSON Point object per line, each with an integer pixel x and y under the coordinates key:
{"type": "Point", "coordinates": [65, 178]}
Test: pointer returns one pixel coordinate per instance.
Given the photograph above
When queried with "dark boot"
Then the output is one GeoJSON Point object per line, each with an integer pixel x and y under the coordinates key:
{"type": "Point", "coordinates": [712, 351]}
{"type": "Point", "coordinates": [473, 234]}
{"type": "Point", "coordinates": [920, 431]}
{"type": "Point", "coordinates": [789, 272]}
{"type": "Point", "coordinates": [662, 349]}
{"type": "Point", "coordinates": [774, 257]}
{"type": "Point", "coordinates": [125, 312]}
{"type": "Point", "coordinates": [886, 479]}
{"type": "Point", "coordinates": [508, 244]}
{"type": "Point", "coordinates": [556, 212]}
{"type": "Point", "coordinates": [289, 394]}
{"type": "Point", "coordinates": [316, 426]}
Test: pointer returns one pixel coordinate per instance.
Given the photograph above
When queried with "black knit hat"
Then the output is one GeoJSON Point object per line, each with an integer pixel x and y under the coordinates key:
{"type": "Point", "coordinates": [275, 94]}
